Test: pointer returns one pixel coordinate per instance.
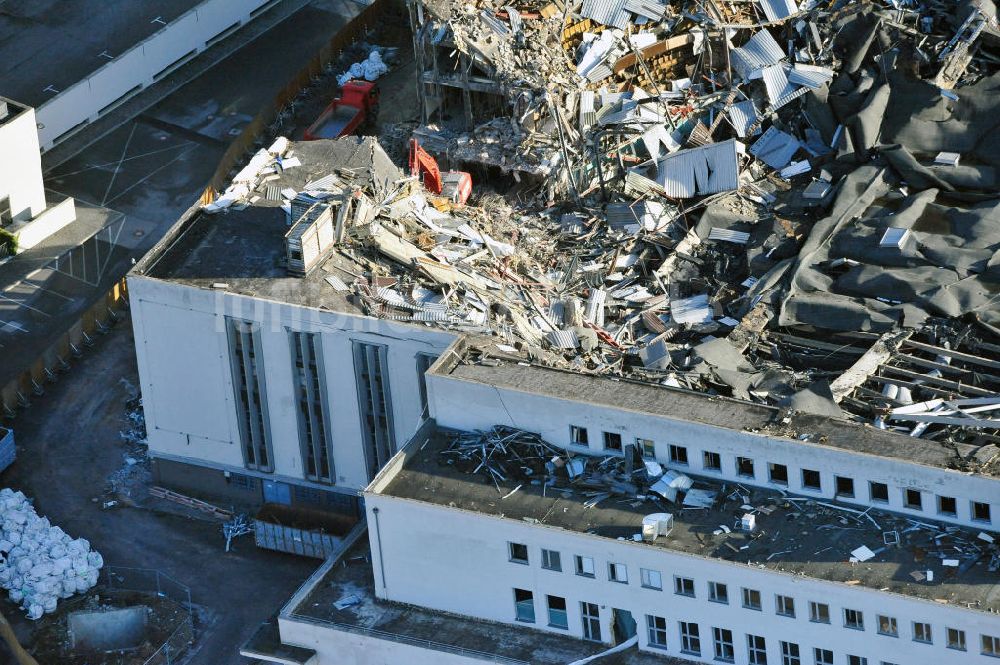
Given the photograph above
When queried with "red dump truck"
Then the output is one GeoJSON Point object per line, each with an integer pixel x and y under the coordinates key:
{"type": "Point", "coordinates": [356, 105]}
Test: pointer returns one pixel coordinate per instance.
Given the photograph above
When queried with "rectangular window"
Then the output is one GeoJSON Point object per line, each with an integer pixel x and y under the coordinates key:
{"type": "Point", "coordinates": [947, 506]}
{"type": "Point", "coordinates": [584, 566]}
{"type": "Point", "coordinates": [756, 650]}
{"type": "Point", "coordinates": [844, 486]}
{"type": "Point", "coordinates": [657, 630]}
{"type": "Point", "coordinates": [922, 632]}
{"type": "Point", "coordinates": [618, 572]}
{"type": "Point", "coordinates": [578, 436]}
{"type": "Point", "coordinates": [744, 467]}
{"type": "Point", "coordinates": [518, 552]}
{"type": "Point", "coordinates": [551, 560]}
{"type": "Point", "coordinates": [790, 654]}
{"type": "Point", "coordinates": [313, 416]}
{"type": "Point", "coordinates": [784, 606]}
{"type": "Point", "coordinates": [690, 639]}
{"type": "Point", "coordinates": [712, 461]}
{"type": "Point", "coordinates": [684, 586]}
{"type": "Point", "coordinates": [651, 579]}
{"type": "Point", "coordinates": [887, 625]}
{"type": "Point", "coordinates": [612, 441]}
{"type": "Point", "coordinates": [718, 592]}
{"type": "Point", "coordinates": [857, 660]}
{"type": "Point", "coordinates": [751, 599]}
{"type": "Point", "coordinates": [811, 480]}
{"type": "Point", "coordinates": [375, 402]}
{"type": "Point", "coordinates": [981, 512]}
{"type": "Point", "coordinates": [246, 360]}
{"type": "Point", "coordinates": [778, 473]}
{"type": "Point", "coordinates": [956, 639]}
{"type": "Point", "coordinates": [424, 362]}
{"type": "Point", "coordinates": [912, 499]}
{"type": "Point", "coordinates": [878, 492]}
{"type": "Point", "coordinates": [819, 612]}
{"type": "Point", "coordinates": [990, 645]}
{"type": "Point", "coordinates": [723, 642]}
{"type": "Point", "coordinates": [678, 454]}
{"type": "Point", "coordinates": [591, 618]}
{"type": "Point", "coordinates": [557, 612]}
{"type": "Point", "coordinates": [524, 605]}
{"type": "Point", "coordinates": [822, 657]}
{"type": "Point", "coordinates": [854, 619]}
{"type": "Point", "coordinates": [647, 447]}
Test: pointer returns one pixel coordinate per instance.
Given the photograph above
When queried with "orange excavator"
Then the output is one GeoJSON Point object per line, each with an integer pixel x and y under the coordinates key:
{"type": "Point", "coordinates": [452, 186]}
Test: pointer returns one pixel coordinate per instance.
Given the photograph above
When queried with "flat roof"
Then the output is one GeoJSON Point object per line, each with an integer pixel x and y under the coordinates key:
{"type": "Point", "coordinates": [713, 410]}
{"type": "Point", "coordinates": [56, 43]}
{"type": "Point", "coordinates": [244, 246]}
{"type": "Point", "coordinates": [818, 546]}
{"type": "Point", "coordinates": [353, 576]}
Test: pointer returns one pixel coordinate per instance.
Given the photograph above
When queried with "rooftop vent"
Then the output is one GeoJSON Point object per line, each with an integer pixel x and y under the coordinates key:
{"type": "Point", "coordinates": [314, 231]}
{"type": "Point", "coordinates": [657, 524]}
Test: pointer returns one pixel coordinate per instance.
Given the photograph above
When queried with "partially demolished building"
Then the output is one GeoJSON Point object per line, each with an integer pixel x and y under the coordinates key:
{"type": "Point", "coordinates": [719, 326]}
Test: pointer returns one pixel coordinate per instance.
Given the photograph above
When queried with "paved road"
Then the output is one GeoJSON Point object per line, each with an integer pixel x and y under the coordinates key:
{"type": "Point", "coordinates": [68, 444]}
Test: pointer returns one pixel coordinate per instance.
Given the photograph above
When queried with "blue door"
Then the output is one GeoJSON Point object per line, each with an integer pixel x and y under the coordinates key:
{"type": "Point", "coordinates": [275, 492]}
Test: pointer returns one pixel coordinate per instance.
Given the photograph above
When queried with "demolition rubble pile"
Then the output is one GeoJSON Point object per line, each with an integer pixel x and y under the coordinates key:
{"type": "Point", "coordinates": [792, 204]}
{"type": "Point", "coordinates": [755, 526]}
{"type": "Point", "coordinates": [40, 563]}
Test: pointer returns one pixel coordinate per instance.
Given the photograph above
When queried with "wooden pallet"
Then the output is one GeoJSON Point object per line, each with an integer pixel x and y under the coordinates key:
{"type": "Point", "coordinates": [190, 502]}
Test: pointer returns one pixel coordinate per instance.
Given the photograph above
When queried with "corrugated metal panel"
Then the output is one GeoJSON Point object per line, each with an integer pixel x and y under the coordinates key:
{"type": "Point", "coordinates": [587, 115]}
{"type": "Point", "coordinates": [640, 185]}
{"type": "Point", "coordinates": [743, 115]}
{"type": "Point", "coordinates": [691, 310]}
{"type": "Point", "coordinates": [594, 311]}
{"type": "Point", "coordinates": [564, 339]}
{"type": "Point", "coordinates": [779, 89]}
{"type": "Point", "coordinates": [495, 24]}
{"type": "Point", "coordinates": [651, 9]}
{"type": "Point", "coordinates": [599, 72]}
{"type": "Point", "coordinates": [775, 10]}
{"type": "Point", "coordinates": [322, 184]}
{"type": "Point", "coordinates": [809, 75]}
{"type": "Point", "coordinates": [337, 283]}
{"type": "Point", "coordinates": [760, 51]}
{"type": "Point", "coordinates": [708, 169]}
{"type": "Point", "coordinates": [775, 148]}
{"type": "Point", "coordinates": [738, 237]}
{"type": "Point", "coordinates": [606, 12]}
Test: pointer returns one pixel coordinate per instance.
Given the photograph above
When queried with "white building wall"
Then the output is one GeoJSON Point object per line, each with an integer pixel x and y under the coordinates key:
{"type": "Point", "coordinates": [457, 561]}
{"type": "Point", "coordinates": [142, 65]}
{"type": "Point", "coordinates": [186, 377]}
{"type": "Point", "coordinates": [21, 164]}
{"type": "Point", "coordinates": [468, 405]}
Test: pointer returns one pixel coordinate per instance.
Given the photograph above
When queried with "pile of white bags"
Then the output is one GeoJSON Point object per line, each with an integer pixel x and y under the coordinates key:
{"type": "Point", "coordinates": [368, 70]}
{"type": "Point", "coordinates": [40, 563]}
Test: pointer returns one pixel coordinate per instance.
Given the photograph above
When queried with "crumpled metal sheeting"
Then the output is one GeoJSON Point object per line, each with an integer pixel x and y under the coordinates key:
{"type": "Point", "coordinates": [704, 170]}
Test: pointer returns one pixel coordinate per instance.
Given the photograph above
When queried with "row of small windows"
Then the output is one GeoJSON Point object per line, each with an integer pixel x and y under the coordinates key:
{"type": "Point", "coordinates": [723, 645]}
{"type": "Point", "coordinates": [810, 479]}
{"type": "Point", "coordinates": [751, 599]}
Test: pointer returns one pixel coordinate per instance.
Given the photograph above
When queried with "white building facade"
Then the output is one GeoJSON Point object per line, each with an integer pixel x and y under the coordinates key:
{"type": "Point", "coordinates": [270, 399]}
{"type": "Point", "coordinates": [486, 556]}
{"type": "Point", "coordinates": [23, 209]}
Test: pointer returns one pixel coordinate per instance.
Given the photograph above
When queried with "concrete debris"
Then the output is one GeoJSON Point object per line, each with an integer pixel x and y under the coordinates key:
{"type": "Point", "coordinates": [732, 198]}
